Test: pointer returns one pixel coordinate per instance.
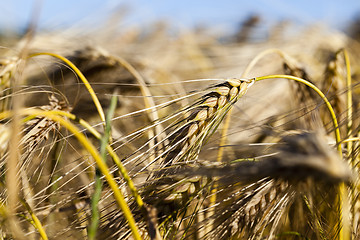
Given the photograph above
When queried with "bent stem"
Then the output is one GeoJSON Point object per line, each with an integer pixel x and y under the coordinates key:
{"type": "Point", "coordinates": [117, 161]}
{"type": "Point", "coordinates": [343, 191]}
{"type": "Point", "coordinates": [322, 95]}
{"type": "Point", "coordinates": [81, 76]}
{"type": "Point", "coordinates": [95, 154]}
{"type": "Point", "coordinates": [113, 155]}
{"type": "Point", "coordinates": [148, 101]}
{"type": "Point", "coordinates": [261, 55]}
{"type": "Point", "coordinates": [110, 150]}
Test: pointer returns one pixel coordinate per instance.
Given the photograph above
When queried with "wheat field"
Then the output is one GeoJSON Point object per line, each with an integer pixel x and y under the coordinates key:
{"type": "Point", "coordinates": [143, 135]}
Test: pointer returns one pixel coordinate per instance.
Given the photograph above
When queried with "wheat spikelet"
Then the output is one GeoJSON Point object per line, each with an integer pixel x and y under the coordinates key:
{"type": "Point", "coordinates": [256, 197]}
{"type": "Point", "coordinates": [186, 136]}
{"type": "Point", "coordinates": [203, 117]}
{"type": "Point", "coordinates": [297, 157]}
{"type": "Point", "coordinates": [185, 139]}
{"type": "Point", "coordinates": [264, 191]}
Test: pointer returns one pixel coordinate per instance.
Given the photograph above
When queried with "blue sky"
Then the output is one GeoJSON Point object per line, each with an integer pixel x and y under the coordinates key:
{"type": "Point", "coordinates": [182, 13]}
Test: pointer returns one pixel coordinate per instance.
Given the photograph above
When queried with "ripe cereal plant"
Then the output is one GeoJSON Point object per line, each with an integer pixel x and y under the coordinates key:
{"type": "Point", "coordinates": [114, 145]}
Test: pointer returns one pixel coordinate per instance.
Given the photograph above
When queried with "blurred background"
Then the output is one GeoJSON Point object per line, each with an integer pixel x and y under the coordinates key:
{"type": "Point", "coordinates": [223, 17]}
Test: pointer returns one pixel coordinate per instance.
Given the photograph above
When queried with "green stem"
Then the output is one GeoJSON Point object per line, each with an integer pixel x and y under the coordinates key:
{"type": "Point", "coordinates": [95, 213]}
{"type": "Point", "coordinates": [104, 141]}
